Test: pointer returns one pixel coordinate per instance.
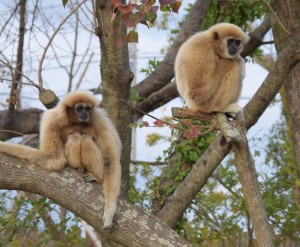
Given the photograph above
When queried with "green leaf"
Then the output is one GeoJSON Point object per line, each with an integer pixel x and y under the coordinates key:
{"type": "Point", "coordinates": [133, 37]}
{"type": "Point", "coordinates": [64, 2]}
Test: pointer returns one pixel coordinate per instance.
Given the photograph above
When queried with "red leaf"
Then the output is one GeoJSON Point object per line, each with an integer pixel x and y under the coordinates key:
{"type": "Point", "coordinates": [120, 40]}
{"type": "Point", "coordinates": [187, 122]}
{"type": "Point", "coordinates": [158, 122]}
{"type": "Point", "coordinates": [125, 9]}
{"type": "Point", "coordinates": [128, 21]}
{"type": "Point", "coordinates": [153, 9]}
{"type": "Point", "coordinates": [189, 134]}
{"type": "Point", "coordinates": [176, 6]}
{"type": "Point", "coordinates": [172, 126]}
{"type": "Point", "coordinates": [116, 3]}
{"type": "Point", "coordinates": [139, 17]}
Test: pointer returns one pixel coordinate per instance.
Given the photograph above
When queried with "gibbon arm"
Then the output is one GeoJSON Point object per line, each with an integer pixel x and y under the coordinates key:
{"type": "Point", "coordinates": [50, 155]}
{"type": "Point", "coordinates": [51, 142]}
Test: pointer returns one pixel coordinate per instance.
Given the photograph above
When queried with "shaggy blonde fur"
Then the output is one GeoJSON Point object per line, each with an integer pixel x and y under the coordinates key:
{"type": "Point", "coordinates": [209, 78]}
{"type": "Point", "coordinates": [94, 145]}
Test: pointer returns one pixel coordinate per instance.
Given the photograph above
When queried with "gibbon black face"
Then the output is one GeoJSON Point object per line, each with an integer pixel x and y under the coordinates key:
{"type": "Point", "coordinates": [233, 45]}
{"type": "Point", "coordinates": [83, 111]}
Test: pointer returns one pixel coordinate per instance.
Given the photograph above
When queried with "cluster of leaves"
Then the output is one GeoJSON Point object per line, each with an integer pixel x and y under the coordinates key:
{"type": "Point", "coordinates": [145, 12]}
{"type": "Point", "coordinates": [190, 128]}
{"type": "Point", "coordinates": [21, 223]}
{"type": "Point", "coordinates": [283, 182]}
{"type": "Point", "coordinates": [152, 65]}
{"type": "Point", "coordinates": [237, 12]}
{"type": "Point", "coordinates": [132, 14]}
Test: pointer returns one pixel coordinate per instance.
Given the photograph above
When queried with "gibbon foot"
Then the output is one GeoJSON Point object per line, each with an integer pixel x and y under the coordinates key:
{"type": "Point", "coordinates": [88, 177]}
{"type": "Point", "coordinates": [234, 115]}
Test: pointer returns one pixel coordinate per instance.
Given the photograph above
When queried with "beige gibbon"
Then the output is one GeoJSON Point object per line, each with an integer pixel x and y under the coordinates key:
{"type": "Point", "coordinates": [78, 133]}
{"type": "Point", "coordinates": [209, 69]}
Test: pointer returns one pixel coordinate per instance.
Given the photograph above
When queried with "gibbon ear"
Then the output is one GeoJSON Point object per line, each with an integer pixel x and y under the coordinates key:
{"type": "Point", "coordinates": [216, 36]}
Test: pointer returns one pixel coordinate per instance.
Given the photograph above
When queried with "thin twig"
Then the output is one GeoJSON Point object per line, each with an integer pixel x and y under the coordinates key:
{"type": "Point", "coordinates": [84, 70]}
{"type": "Point", "coordinates": [32, 83]}
{"type": "Point", "coordinates": [11, 131]}
{"type": "Point", "coordinates": [94, 16]}
{"type": "Point", "coordinates": [50, 41]}
{"type": "Point", "coordinates": [151, 163]}
{"type": "Point", "coordinates": [149, 115]}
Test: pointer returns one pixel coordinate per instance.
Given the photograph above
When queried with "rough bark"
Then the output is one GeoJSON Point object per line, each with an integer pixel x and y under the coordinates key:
{"type": "Point", "coordinates": [132, 227]}
{"type": "Point", "coordinates": [19, 123]}
{"type": "Point", "coordinates": [196, 179]}
{"type": "Point", "coordinates": [235, 133]}
{"type": "Point", "coordinates": [116, 82]}
{"type": "Point", "coordinates": [289, 15]}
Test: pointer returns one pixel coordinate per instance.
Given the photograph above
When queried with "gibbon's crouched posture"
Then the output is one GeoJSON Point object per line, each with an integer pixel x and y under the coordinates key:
{"type": "Point", "coordinates": [209, 69]}
{"type": "Point", "coordinates": [78, 133]}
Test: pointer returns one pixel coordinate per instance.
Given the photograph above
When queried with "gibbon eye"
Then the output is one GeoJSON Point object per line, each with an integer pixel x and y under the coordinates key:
{"type": "Point", "coordinates": [88, 108]}
{"type": "Point", "coordinates": [79, 108]}
{"type": "Point", "coordinates": [237, 42]}
{"type": "Point", "coordinates": [231, 40]}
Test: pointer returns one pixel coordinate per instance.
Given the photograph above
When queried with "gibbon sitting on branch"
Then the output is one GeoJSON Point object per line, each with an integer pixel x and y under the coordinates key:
{"type": "Point", "coordinates": [78, 133]}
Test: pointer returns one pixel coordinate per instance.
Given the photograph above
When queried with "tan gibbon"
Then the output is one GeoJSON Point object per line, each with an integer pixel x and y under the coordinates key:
{"type": "Point", "coordinates": [78, 133]}
{"type": "Point", "coordinates": [209, 69]}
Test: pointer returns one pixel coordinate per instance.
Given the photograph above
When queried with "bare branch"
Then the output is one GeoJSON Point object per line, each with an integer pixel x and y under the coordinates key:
{"type": "Point", "coordinates": [50, 41]}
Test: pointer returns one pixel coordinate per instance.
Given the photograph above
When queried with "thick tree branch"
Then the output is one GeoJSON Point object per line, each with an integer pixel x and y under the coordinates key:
{"type": "Point", "coordinates": [156, 100]}
{"type": "Point", "coordinates": [198, 176]}
{"type": "Point", "coordinates": [257, 36]}
{"type": "Point", "coordinates": [19, 123]}
{"type": "Point", "coordinates": [236, 133]}
{"type": "Point", "coordinates": [132, 226]}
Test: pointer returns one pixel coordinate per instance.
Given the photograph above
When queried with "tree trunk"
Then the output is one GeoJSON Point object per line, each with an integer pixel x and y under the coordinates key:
{"type": "Point", "coordinates": [116, 83]}
{"type": "Point", "coordinates": [288, 16]}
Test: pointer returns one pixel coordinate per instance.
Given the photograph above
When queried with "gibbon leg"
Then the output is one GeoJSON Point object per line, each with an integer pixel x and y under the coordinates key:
{"type": "Point", "coordinates": [111, 188]}
{"type": "Point", "coordinates": [73, 150]}
{"type": "Point", "coordinates": [92, 159]}
{"type": "Point", "coordinates": [33, 155]}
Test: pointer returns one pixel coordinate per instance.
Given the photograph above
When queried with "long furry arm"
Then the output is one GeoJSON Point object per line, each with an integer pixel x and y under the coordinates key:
{"type": "Point", "coordinates": [109, 142]}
